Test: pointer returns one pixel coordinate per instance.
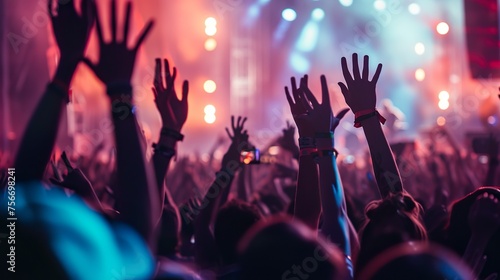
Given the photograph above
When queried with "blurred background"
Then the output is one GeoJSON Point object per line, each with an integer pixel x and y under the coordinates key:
{"type": "Point", "coordinates": [441, 66]}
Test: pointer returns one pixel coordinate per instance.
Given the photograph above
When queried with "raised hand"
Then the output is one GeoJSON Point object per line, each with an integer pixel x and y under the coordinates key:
{"type": "Point", "coordinates": [239, 140]}
{"type": "Point", "coordinates": [287, 141]}
{"type": "Point", "coordinates": [71, 30]}
{"type": "Point", "coordinates": [173, 111]}
{"type": "Point", "coordinates": [359, 93]}
{"type": "Point", "coordinates": [310, 116]}
{"type": "Point", "coordinates": [298, 109]}
{"type": "Point", "coordinates": [116, 59]}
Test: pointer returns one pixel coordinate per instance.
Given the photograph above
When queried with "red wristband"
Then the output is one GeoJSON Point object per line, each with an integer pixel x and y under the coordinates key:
{"type": "Point", "coordinates": [308, 152]}
{"type": "Point", "coordinates": [366, 114]}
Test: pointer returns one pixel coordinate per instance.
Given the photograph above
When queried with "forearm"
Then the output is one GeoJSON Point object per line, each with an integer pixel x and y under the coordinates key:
{"type": "Point", "coordinates": [136, 194]}
{"type": "Point", "coordinates": [384, 166]}
{"type": "Point", "coordinates": [205, 245]}
{"type": "Point", "coordinates": [241, 186]}
{"type": "Point", "coordinates": [40, 135]}
{"type": "Point", "coordinates": [161, 161]}
{"type": "Point", "coordinates": [307, 197]}
{"type": "Point", "coordinates": [229, 168]}
{"type": "Point", "coordinates": [335, 220]}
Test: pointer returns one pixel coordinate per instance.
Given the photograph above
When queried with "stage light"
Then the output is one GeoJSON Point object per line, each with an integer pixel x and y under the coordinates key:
{"type": "Point", "coordinates": [414, 9]}
{"type": "Point", "coordinates": [210, 30]}
{"type": "Point", "coordinates": [492, 120]}
{"type": "Point", "coordinates": [274, 150]}
{"type": "Point", "coordinates": [318, 14]}
{"type": "Point", "coordinates": [419, 74]}
{"type": "Point", "coordinates": [299, 63]}
{"type": "Point", "coordinates": [444, 95]}
{"type": "Point", "coordinates": [419, 48]}
{"type": "Point", "coordinates": [210, 21]}
{"type": "Point", "coordinates": [443, 104]}
{"type": "Point", "coordinates": [308, 37]}
{"type": "Point", "coordinates": [442, 28]}
{"type": "Point", "coordinates": [454, 79]}
{"type": "Point", "coordinates": [210, 44]}
{"type": "Point", "coordinates": [209, 109]}
{"type": "Point", "coordinates": [209, 86]}
{"type": "Point", "coordinates": [289, 14]}
{"type": "Point", "coordinates": [379, 5]}
{"type": "Point", "coordinates": [345, 3]}
{"type": "Point", "coordinates": [441, 121]}
{"type": "Point", "coordinates": [209, 119]}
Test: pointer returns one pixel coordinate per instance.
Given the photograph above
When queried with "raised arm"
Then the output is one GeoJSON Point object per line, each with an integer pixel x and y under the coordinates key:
{"type": "Point", "coordinates": [320, 118]}
{"type": "Point", "coordinates": [136, 193]}
{"type": "Point", "coordinates": [217, 195]}
{"type": "Point", "coordinates": [71, 32]}
{"type": "Point", "coordinates": [307, 197]}
{"type": "Point", "coordinates": [173, 114]}
{"type": "Point", "coordinates": [360, 95]}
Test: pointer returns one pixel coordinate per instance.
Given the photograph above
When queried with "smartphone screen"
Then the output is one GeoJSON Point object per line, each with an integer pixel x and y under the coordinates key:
{"type": "Point", "coordinates": [251, 156]}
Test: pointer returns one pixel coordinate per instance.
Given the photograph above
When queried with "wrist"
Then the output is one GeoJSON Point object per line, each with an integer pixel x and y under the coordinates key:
{"type": "Point", "coordinates": [167, 141]}
{"type": "Point", "coordinates": [362, 116]}
{"type": "Point", "coordinates": [324, 141]}
{"type": "Point", "coordinates": [119, 90]}
{"type": "Point", "coordinates": [65, 71]}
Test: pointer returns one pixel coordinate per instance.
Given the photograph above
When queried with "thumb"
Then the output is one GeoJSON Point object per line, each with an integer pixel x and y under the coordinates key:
{"type": "Point", "coordinates": [342, 113]}
{"type": "Point", "coordinates": [344, 89]}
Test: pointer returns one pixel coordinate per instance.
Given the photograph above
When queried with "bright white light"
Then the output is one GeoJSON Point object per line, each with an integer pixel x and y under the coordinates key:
{"type": "Point", "coordinates": [210, 44]}
{"type": "Point", "coordinates": [289, 14]}
{"type": "Point", "coordinates": [414, 9]}
{"type": "Point", "coordinates": [209, 118]}
{"type": "Point", "coordinates": [442, 28]}
{"type": "Point", "coordinates": [345, 3]}
{"type": "Point", "coordinates": [443, 95]}
{"type": "Point", "coordinates": [318, 14]}
{"type": "Point", "coordinates": [210, 30]}
{"type": "Point", "coordinates": [443, 104]}
{"type": "Point", "coordinates": [420, 74]}
{"type": "Point", "coordinates": [209, 109]}
{"type": "Point", "coordinates": [210, 21]}
{"type": "Point", "coordinates": [379, 5]}
{"type": "Point", "coordinates": [419, 48]}
{"type": "Point", "coordinates": [209, 86]}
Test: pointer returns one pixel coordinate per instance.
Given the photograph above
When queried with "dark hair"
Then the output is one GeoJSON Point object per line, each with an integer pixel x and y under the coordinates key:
{"type": "Point", "coordinates": [415, 261]}
{"type": "Point", "coordinates": [281, 248]}
{"type": "Point", "coordinates": [458, 231]}
{"type": "Point", "coordinates": [232, 222]}
{"type": "Point", "coordinates": [390, 221]}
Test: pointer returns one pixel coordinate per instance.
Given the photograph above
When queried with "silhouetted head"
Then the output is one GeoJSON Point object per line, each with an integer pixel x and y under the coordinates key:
{"type": "Point", "coordinates": [459, 231]}
{"type": "Point", "coordinates": [284, 249]}
{"type": "Point", "coordinates": [391, 221]}
{"type": "Point", "coordinates": [232, 222]}
{"type": "Point", "coordinates": [416, 261]}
